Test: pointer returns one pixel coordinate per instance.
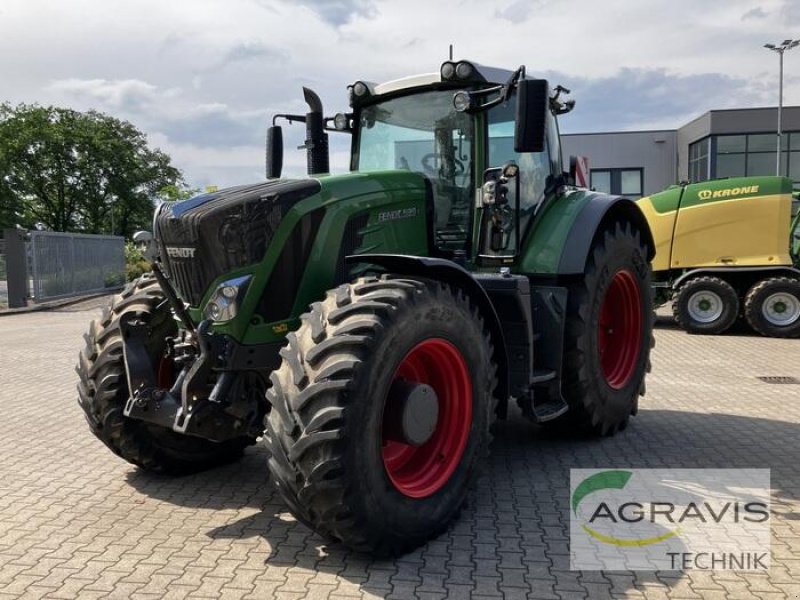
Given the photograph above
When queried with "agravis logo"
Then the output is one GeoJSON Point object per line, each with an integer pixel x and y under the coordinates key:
{"type": "Point", "coordinates": [656, 511]}
{"type": "Point", "coordinates": [669, 518]}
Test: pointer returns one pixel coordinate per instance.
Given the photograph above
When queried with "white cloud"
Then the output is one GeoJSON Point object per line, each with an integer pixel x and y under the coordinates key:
{"type": "Point", "coordinates": [201, 77]}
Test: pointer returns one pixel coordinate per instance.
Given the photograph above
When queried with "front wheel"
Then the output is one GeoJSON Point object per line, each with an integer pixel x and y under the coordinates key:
{"type": "Point", "coordinates": [103, 389]}
{"type": "Point", "coordinates": [609, 332]}
{"type": "Point", "coordinates": [772, 307]}
{"type": "Point", "coordinates": [381, 411]}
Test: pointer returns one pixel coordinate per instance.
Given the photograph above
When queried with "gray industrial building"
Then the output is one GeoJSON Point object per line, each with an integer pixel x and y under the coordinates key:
{"type": "Point", "coordinates": [719, 143]}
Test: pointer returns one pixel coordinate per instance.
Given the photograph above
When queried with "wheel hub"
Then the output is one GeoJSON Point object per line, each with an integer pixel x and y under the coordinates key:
{"type": "Point", "coordinates": [412, 412]}
{"type": "Point", "coordinates": [781, 309]}
{"type": "Point", "coordinates": [705, 306]}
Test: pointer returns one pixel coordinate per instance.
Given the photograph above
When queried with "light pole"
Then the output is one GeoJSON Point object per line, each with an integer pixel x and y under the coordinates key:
{"type": "Point", "coordinates": [780, 49]}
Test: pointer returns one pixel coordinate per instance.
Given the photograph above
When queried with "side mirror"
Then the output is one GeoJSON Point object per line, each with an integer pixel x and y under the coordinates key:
{"type": "Point", "coordinates": [274, 152]}
{"type": "Point", "coordinates": [146, 244]}
{"type": "Point", "coordinates": [533, 100]}
{"type": "Point", "coordinates": [142, 237]}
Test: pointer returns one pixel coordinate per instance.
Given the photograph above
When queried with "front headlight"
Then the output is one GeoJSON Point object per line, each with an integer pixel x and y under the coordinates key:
{"type": "Point", "coordinates": [224, 302]}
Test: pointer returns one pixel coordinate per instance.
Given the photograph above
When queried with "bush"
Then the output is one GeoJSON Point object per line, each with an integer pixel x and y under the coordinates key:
{"type": "Point", "coordinates": [113, 280]}
{"type": "Point", "coordinates": [135, 262]}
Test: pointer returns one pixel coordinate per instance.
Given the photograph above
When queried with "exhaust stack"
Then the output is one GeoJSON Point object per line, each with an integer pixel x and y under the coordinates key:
{"type": "Point", "coordinates": [316, 139]}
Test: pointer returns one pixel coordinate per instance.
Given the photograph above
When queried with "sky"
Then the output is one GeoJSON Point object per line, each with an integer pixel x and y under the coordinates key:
{"type": "Point", "coordinates": [202, 77]}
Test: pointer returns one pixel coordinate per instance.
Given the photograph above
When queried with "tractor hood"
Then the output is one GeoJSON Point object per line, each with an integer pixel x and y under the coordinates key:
{"type": "Point", "coordinates": [208, 235]}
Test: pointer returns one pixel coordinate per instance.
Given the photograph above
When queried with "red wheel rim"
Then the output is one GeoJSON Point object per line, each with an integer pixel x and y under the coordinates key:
{"type": "Point", "coordinates": [420, 471]}
{"type": "Point", "coordinates": [619, 331]}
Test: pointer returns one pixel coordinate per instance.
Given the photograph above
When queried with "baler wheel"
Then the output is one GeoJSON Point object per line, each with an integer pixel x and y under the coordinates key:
{"type": "Point", "coordinates": [772, 307]}
{"type": "Point", "coordinates": [706, 305]}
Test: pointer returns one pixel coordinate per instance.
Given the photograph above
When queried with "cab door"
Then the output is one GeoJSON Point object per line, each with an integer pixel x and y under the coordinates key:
{"type": "Point", "coordinates": [524, 194]}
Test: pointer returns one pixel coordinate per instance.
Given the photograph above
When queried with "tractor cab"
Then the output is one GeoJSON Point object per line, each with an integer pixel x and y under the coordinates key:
{"type": "Point", "coordinates": [458, 128]}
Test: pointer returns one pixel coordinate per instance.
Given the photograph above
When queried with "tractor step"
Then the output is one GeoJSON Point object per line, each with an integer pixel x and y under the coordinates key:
{"type": "Point", "coordinates": [546, 411]}
{"type": "Point", "coordinates": [549, 410]}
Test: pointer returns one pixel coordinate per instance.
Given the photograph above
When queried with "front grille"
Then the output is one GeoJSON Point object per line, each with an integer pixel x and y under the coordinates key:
{"type": "Point", "coordinates": [188, 280]}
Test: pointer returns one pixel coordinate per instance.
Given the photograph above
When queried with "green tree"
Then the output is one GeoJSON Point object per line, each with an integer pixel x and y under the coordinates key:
{"type": "Point", "coordinates": [78, 171]}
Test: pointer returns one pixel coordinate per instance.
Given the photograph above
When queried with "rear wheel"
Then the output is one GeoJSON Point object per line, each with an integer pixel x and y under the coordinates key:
{"type": "Point", "coordinates": [381, 411]}
{"type": "Point", "coordinates": [609, 332]}
{"type": "Point", "coordinates": [103, 389]}
{"type": "Point", "coordinates": [772, 307]}
{"type": "Point", "coordinates": [706, 305]}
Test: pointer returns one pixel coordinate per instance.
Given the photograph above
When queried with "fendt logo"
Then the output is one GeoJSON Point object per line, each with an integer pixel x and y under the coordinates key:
{"type": "Point", "coordinates": [175, 252]}
{"type": "Point", "coordinates": [739, 191]}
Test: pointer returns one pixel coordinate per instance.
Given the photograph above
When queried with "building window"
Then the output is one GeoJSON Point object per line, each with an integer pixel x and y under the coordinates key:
{"type": "Point", "coordinates": [754, 154]}
{"type": "Point", "coordinates": [625, 182]}
{"type": "Point", "coordinates": [698, 160]}
{"type": "Point", "coordinates": [601, 181]}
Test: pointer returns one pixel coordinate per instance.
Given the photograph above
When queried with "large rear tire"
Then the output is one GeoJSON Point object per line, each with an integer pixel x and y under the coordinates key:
{"type": "Point", "coordinates": [103, 390]}
{"type": "Point", "coordinates": [609, 333]}
{"type": "Point", "coordinates": [332, 432]}
{"type": "Point", "coordinates": [772, 307]}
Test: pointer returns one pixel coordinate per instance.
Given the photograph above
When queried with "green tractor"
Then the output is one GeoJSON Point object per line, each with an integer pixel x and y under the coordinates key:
{"type": "Point", "coordinates": [371, 326]}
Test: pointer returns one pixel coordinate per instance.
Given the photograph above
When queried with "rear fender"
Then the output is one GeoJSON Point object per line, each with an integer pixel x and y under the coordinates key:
{"type": "Point", "coordinates": [600, 211]}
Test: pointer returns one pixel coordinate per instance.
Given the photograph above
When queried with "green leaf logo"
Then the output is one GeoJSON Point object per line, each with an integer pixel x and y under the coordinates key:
{"type": "Point", "coordinates": [599, 481]}
{"type": "Point", "coordinates": [615, 480]}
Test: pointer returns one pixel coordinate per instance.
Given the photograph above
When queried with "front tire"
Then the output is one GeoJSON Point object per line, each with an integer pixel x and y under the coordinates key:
{"type": "Point", "coordinates": [706, 305]}
{"type": "Point", "coordinates": [608, 333]}
{"type": "Point", "coordinates": [103, 390]}
{"type": "Point", "coordinates": [336, 456]}
{"type": "Point", "coordinates": [772, 307]}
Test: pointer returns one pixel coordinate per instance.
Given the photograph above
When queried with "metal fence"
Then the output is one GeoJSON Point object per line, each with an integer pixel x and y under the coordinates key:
{"type": "Point", "coordinates": [68, 264]}
{"type": "Point", "coordinates": [3, 284]}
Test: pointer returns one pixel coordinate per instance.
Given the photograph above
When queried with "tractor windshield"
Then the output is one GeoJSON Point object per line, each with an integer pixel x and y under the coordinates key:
{"type": "Point", "coordinates": [423, 133]}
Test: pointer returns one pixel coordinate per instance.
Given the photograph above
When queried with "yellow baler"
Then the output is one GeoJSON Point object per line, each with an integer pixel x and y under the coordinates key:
{"type": "Point", "coordinates": [723, 250]}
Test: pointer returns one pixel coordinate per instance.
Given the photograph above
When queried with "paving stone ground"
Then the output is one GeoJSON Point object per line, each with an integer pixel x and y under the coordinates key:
{"type": "Point", "coordinates": [78, 522]}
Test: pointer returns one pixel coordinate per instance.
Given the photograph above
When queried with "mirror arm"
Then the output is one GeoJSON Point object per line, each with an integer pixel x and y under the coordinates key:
{"type": "Point", "coordinates": [505, 90]}
{"type": "Point", "coordinates": [290, 118]}
{"type": "Point", "coordinates": [508, 88]}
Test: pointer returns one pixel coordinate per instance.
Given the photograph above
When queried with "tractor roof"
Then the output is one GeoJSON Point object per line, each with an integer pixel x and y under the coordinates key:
{"type": "Point", "coordinates": [477, 74]}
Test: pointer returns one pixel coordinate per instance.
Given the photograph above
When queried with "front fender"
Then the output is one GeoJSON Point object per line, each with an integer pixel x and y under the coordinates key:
{"type": "Point", "coordinates": [455, 275]}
